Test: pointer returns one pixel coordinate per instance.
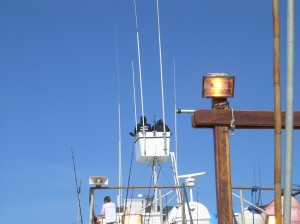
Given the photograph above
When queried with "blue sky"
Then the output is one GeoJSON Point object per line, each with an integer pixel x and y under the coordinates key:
{"type": "Point", "coordinates": [59, 90]}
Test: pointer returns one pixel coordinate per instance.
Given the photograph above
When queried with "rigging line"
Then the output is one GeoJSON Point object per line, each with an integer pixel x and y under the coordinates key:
{"type": "Point", "coordinates": [134, 97]}
{"type": "Point", "coordinates": [77, 188]}
{"type": "Point", "coordinates": [129, 175]}
{"type": "Point", "coordinates": [147, 218]}
{"type": "Point", "coordinates": [255, 187]}
{"type": "Point", "coordinates": [175, 105]}
{"type": "Point", "coordinates": [254, 175]}
{"type": "Point", "coordinates": [139, 58]}
{"type": "Point", "coordinates": [119, 119]}
{"type": "Point", "coordinates": [161, 72]}
{"type": "Point", "coordinates": [165, 176]}
{"type": "Point", "coordinates": [259, 178]}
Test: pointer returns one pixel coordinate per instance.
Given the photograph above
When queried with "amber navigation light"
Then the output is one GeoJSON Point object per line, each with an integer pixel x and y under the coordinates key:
{"type": "Point", "coordinates": [217, 85]}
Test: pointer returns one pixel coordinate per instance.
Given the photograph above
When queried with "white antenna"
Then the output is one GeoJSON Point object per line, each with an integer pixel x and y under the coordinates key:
{"type": "Point", "coordinates": [139, 58]}
{"type": "Point", "coordinates": [176, 147]}
{"type": "Point", "coordinates": [119, 118]}
{"type": "Point", "coordinates": [160, 61]}
{"type": "Point", "coordinates": [161, 74]}
{"type": "Point", "coordinates": [134, 100]}
{"type": "Point", "coordinates": [190, 181]}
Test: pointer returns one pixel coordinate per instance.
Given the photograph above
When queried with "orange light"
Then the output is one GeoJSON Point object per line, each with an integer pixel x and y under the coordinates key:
{"type": "Point", "coordinates": [271, 219]}
{"type": "Point", "coordinates": [218, 85]}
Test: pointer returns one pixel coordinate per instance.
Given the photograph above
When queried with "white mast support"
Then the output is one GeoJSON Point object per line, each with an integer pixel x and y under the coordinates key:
{"type": "Point", "coordinates": [161, 206]}
{"type": "Point", "coordinates": [161, 75]}
{"type": "Point", "coordinates": [191, 194]}
{"type": "Point", "coordinates": [149, 204]}
{"type": "Point", "coordinates": [242, 206]}
{"type": "Point", "coordinates": [248, 202]}
{"type": "Point", "coordinates": [119, 120]}
{"type": "Point", "coordinates": [175, 172]}
{"type": "Point", "coordinates": [155, 184]}
{"type": "Point", "coordinates": [91, 219]}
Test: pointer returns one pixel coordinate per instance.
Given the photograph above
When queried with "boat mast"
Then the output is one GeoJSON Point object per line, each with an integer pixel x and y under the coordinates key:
{"type": "Point", "coordinates": [277, 113]}
{"type": "Point", "coordinates": [289, 113]}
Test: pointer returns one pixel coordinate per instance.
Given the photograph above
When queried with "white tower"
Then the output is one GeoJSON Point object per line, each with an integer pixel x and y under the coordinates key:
{"type": "Point", "coordinates": [152, 147]}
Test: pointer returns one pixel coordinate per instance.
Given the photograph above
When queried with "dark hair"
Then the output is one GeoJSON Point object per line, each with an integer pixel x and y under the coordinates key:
{"type": "Point", "coordinates": [143, 118]}
{"type": "Point", "coordinates": [107, 198]}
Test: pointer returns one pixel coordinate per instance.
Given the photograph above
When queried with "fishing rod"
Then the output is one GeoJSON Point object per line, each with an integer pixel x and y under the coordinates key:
{"type": "Point", "coordinates": [77, 188]}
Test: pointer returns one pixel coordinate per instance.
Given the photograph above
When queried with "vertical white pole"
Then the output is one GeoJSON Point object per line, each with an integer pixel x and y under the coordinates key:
{"type": "Point", "coordinates": [242, 206]}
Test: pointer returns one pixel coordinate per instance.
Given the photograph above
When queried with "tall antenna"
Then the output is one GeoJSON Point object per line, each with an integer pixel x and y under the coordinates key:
{"type": "Point", "coordinates": [77, 189]}
{"type": "Point", "coordinates": [139, 58]}
{"type": "Point", "coordinates": [176, 147]}
{"type": "Point", "coordinates": [161, 67]}
{"type": "Point", "coordinates": [119, 119]}
{"type": "Point", "coordinates": [134, 98]}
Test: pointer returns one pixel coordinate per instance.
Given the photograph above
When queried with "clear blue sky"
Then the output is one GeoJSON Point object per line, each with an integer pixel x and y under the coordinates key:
{"type": "Point", "coordinates": [59, 90]}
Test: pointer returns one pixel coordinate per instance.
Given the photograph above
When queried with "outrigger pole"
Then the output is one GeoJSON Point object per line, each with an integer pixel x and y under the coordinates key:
{"type": "Point", "coordinates": [277, 113]}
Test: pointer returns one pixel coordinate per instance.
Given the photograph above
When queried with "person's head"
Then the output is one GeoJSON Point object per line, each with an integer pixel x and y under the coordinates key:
{"type": "Point", "coordinates": [143, 118]}
{"type": "Point", "coordinates": [106, 199]}
{"type": "Point", "coordinates": [160, 122]}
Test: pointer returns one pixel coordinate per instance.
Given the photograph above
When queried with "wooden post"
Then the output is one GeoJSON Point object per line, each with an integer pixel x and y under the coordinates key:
{"type": "Point", "coordinates": [220, 119]}
{"type": "Point", "coordinates": [222, 166]}
{"type": "Point", "coordinates": [223, 175]}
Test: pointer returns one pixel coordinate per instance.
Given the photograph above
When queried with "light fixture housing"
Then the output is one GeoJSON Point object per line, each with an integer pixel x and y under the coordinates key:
{"type": "Point", "coordinates": [217, 85]}
{"type": "Point", "coordinates": [270, 219]}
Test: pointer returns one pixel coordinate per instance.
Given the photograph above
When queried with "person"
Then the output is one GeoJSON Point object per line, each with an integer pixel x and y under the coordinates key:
{"type": "Point", "coordinates": [108, 211]}
{"type": "Point", "coordinates": [159, 126]}
{"type": "Point", "coordinates": [142, 126]}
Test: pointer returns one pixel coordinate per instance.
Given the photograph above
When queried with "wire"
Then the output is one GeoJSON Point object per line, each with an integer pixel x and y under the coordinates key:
{"type": "Point", "coordinates": [77, 188]}
{"type": "Point", "coordinates": [128, 180]}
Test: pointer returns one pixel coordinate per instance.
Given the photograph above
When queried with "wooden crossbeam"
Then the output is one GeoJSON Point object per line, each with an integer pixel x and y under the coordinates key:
{"type": "Point", "coordinates": [244, 119]}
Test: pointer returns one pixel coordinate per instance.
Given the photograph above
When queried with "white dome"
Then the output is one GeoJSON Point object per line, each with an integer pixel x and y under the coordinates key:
{"type": "Point", "coordinates": [249, 216]}
{"type": "Point", "coordinates": [199, 212]}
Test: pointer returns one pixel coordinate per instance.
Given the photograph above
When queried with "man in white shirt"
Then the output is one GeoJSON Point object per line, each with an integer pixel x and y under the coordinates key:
{"type": "Point", "coordinates": [108, 211]}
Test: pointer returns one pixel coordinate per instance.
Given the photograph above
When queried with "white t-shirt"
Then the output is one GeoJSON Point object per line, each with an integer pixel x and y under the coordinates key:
{"type": "Point", "coordinates": [109, 212]}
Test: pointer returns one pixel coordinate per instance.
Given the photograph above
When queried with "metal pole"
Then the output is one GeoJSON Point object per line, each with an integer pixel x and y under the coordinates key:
{"type": "Point", "coordinates": [242, 207]}
{"type": "Point", "coordinates": [289, 114]}
{"type": "Point", "coordinates": [155, 184]}
{"type": "Point", "coordinates": [277, 117]}
{"type": "Point", "coordinates": [161, 206]}
{"type": "Point", "coordinates": [183, 206]}
{"type": "Point", "coordinates": [91, 219]}
{"type": "Point", "coordinates": [182, 111]}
